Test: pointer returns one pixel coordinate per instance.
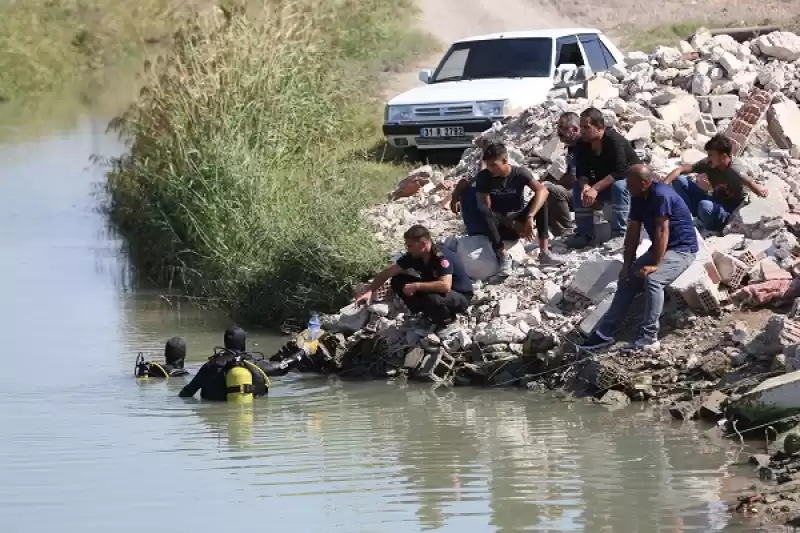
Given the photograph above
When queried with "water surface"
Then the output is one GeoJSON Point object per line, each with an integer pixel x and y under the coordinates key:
{"type": "Point", "coordinates": [85, 447]}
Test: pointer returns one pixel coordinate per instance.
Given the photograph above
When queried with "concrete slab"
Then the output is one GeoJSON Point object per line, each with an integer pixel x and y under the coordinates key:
{"type": "Point", "coordinates": [770, 401]}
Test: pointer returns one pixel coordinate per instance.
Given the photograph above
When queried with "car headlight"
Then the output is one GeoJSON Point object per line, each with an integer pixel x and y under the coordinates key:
{"type": "Point", "coordinates": [398, 113]}
{"type": "Point", "coordinates": [492, 108]}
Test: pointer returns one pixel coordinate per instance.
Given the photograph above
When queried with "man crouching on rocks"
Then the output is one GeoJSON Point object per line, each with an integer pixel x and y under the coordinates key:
{"type": "Point", "coordinates": [440, 288]}
{"type": "Point", "coordinates": [506, 215]}
{"type": "Point", "coordinates": [668, 222]}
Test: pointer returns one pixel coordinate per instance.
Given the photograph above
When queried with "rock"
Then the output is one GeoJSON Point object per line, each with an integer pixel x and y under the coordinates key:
{"type": "Point", "coordinates": [615, 399]}
{"type": "Point", "coordinates": [379, 309]}
{"type": "Point", "coordinates": [731, 64]}
{"type": "Point", "coordinates": [497, 332]}
{"type": "Point", "coordinates": [507, 306]}
{"type": "Point", "coordinates": [783, 124]}
{"type": "Point", "coordinates": [593, 277]}
{"type": "Point", "coordinates": [683, 109]}
{"type": "Point", "coordinates": [701, 84]}
{"type": "Point", "coordinates": [352, 319]}
{"type": "Point", "coordinates": [537, 341]}
{"type": "Point", "coordinates": [478, 257]}
{"type": "Point", "coordinates": [640, 131]}
{"type": "Point", "coordinates": [551, 293]}
{"type": "Point", "coordinates": [780, 45]}
{"type": "Point", "coordinates": [760, 214]}
{"type": "Point", "coordinates": [711, 406]}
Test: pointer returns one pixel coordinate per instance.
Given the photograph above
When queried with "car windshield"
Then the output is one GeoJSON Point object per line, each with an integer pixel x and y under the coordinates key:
{"type": "Point", "coordinates": [497, 58]}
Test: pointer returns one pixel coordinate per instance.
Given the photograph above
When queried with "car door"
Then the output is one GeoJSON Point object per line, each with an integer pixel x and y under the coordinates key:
{"type": "Point", "coordinates": [597, 56]}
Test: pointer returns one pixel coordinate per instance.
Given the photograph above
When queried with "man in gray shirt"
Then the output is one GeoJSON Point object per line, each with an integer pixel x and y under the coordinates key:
{"type": "Point", "coordinates": [720, 185]}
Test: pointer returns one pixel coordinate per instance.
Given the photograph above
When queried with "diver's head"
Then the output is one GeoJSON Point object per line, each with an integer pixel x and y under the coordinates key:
{"type": "Point", "coordinates": [235, 339]}
{"type": "Point", "coordinates": [175, 352]}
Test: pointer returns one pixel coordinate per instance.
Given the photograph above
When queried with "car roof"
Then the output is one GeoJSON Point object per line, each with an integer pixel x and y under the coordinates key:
{"type": "Point", "coordinates": [551, 33]}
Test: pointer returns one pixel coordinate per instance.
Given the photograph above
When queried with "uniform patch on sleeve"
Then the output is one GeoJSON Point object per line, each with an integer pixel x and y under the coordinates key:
{"type": "Point", "coordinates": [445, 263]}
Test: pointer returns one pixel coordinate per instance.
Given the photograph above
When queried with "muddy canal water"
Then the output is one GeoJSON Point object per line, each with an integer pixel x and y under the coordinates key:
{"type": "Point", "coordinates": [84, 447]}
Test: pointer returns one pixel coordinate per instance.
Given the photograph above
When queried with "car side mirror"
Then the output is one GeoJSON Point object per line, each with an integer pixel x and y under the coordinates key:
{"type": "Point", "coordinates": [425, 76]}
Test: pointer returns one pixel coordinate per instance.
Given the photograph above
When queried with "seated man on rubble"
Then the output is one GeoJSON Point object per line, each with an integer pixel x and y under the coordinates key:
{"type": "Point", "coordinates": [559, 201]}
{"type": "Point", "coordinates": [464, 199]}
{"type": "Point", "coordinates": [430, 280]}
{"type": "Point", "coordinates": [719, 187]}
{"type": "Point", "coordinates": [602, 157]}
{"type": "Point", "coordinates": [668, 222]}
{"type": "Point", "coordinates": [504, 215]}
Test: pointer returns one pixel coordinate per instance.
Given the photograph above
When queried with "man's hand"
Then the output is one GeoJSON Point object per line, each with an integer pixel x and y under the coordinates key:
{"type": "Point", "coordinates": [455, 206]}
{"type": "Point", "coordinates": [364, 299]}
{"type": "Point", "coordinates": [525, 229]}
{"type": "Point", "coordinates": [624, 273]}
{"type": "Point", "coordinates": [647, 270]}
{"type": "Point", "coordinates": [410, 289]}
{"type": "Point", "coordinates": [760, 190]}
{"type": "Point", "coordinates": [588, 197]}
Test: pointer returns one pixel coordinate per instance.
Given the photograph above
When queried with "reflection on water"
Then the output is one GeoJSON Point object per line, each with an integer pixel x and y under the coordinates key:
{"type": "Point", "coordinates": [86, 447]}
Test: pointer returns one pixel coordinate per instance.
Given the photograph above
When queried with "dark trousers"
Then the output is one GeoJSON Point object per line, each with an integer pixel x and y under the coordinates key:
{"type": "Point", "coordinates": [558, 209]}
{"type": "Point", "coordinates": [439, 308]}
{"type": "Point", "coordinates": [499, 232]}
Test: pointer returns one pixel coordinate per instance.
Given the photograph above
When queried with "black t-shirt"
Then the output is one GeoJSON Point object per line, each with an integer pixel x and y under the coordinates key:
{"type": "Point", "coordinates": [507, 193]}
{"type": "Point", "coordinates": [615, 156]}
{"type": "Point", "coordinates": [442, 263]}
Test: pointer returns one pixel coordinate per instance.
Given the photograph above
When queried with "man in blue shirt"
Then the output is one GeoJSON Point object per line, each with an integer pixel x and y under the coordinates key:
{"type": "Point", "coordinates": [668, 222]}
{"type": "Point", "coordinates": [430, 280]}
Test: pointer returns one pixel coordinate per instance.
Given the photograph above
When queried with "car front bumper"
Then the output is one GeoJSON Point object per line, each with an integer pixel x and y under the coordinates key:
{"type": "Point", "coordinates": [445, 134]}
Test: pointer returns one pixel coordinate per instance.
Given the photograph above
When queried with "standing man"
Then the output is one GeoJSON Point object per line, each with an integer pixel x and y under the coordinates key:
{"type": "Point", "coordinates": [439, 290]}
{"type": "Point", "coordinates": [506, 215]}
{"type": "Point", "coordinates": [719, 175]}
{"type": "Point", "coordinates": [668, 222]}
{"type": "Point", "coordinates": [602, 158]}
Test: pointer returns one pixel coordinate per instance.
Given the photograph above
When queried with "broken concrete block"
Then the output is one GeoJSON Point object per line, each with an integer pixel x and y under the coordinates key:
{"type": "Point", "coordinates": [760, 216]}
{"type": "Point", "coordinates": [685, 410]}
{"type": "Point", "coordinates": [549, 151]}
{"type": "Point", "coordinates": [783, 124]}
{"type": "Point", "coordinates": [696, 289]}
{"type": "Point", "coordinates": [706, 126]}
{"type": "Point", "coordinates": [435, 367]}
{"type": "Point", "coordinates": [551, 293]}
{"type": "Point", "coordinates": [731, 64]}
{"type": "Point", "coordinates": [591, 320]}
{"type": "Point", "coordinates": [642, 130]}
{"type": "Point", "coordinates": [683, 109]}
{"type": "Point", "coordinates": [732, 271]}
{"type": "Point", "coordinates": [723, 106]}
{"type": "Point", "coordinates": [599, 88]}
{"type": "Point", "coordinates": [772, 400]}
{"type": "Point", "coordinates": [780, 45]}
{"type": "Point", "coordinates": [615, 399]}
{"type": "Point", "coordinates": [701, 84]}
{"type": "Point", "coordinates": [711, 407]}
{"type": "Point", "coordinates": [771, 271]}
{"type": "Point", "coordinates": [499, 332]}
{"type": "Point", "coordinates": [594, 276]}
{"type": "Point", "coordinates": [539, 342]}
{"type": "Point", "coordinates": [692, 156]}
{"type": "Point", "coordinates": [413, 358]}
{"type": "Point", "coordinates": [478, 257]}
{"type": "Point", "coordinates": [507, 306]}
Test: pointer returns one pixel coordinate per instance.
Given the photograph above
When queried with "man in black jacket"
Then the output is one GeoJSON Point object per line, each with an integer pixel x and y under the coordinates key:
{"type": "Point", "coordinates": [602, 159]}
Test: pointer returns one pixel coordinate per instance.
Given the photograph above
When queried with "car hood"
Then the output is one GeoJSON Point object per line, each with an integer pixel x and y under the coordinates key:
{"type": "Point", "coordinates": [514, 89]}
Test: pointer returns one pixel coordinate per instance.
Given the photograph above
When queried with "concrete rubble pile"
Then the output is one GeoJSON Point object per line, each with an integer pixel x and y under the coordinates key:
{"type": "Point", "coordinates": [524, 331]}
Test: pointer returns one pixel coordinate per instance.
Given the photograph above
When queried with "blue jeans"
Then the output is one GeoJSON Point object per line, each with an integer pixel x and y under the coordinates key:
{"type": "Point", "coordinates": [671, 267]}
{"type": "Point", "coordinates": [712, 215]}
{"type": "Point", "coordinates": [473, 220]}
{"type": "Point", "coordinates": [620, 207]}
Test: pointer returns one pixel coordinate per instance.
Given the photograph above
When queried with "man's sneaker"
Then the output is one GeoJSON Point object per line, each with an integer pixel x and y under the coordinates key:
{"type": "Point", "coordinates": [506, 267]}
{"type": "Point", "coordinates": [596, 342]}
{"type": "Point", "coordinates": [547, 257]}
{"type": "Point", "coordinates": [615, 243]}
{"type": "Point", "coordinates": [642, 346]}
{"type": "Point", "coordinates": [578, 241]}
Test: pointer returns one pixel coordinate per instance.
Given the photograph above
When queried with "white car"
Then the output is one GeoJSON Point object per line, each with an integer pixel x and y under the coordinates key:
{"type": "Point", "coordinates": [487, 78]}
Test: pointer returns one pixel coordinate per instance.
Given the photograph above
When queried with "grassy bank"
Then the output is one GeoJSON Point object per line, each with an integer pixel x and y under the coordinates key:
{"type": "Point", "coordinates": [242, 185]}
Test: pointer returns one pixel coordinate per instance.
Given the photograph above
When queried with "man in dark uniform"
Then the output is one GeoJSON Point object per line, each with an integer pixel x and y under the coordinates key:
{"type": "Point", "coordinates": [174, 356]}
{"type": "Point", "coordinates": [440, 287]}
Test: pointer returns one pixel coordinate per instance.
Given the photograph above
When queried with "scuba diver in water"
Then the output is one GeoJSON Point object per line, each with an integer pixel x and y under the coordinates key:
{"type": "Point", "coordinates": [174, 356]}
{"type": "Point", "coordinates": [233, 374]}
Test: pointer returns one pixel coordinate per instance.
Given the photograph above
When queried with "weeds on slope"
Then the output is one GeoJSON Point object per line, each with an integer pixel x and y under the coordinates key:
{"type": "Point", "coordinates": [240, 185]}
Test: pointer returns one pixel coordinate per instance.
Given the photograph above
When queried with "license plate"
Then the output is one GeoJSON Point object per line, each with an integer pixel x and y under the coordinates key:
{"type": "Point", "coordinates": [444, 131]}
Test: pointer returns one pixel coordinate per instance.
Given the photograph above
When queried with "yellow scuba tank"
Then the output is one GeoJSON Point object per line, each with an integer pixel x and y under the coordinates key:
{"type": "Point", "coordinates": [239, 384]}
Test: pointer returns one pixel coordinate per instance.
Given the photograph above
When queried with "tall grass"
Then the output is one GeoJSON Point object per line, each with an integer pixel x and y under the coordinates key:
{"type": "Point", "coordinates": [241, 185]}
